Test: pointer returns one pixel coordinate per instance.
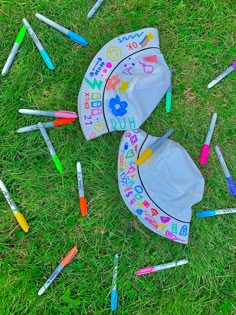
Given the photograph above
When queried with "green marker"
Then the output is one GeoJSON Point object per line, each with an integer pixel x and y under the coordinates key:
{"type": "Point", "coordinates": [16, 46]}
{"type": "Point", "coordinates": [169, 94]}
{"type": "Point", "coordinates": [50, 147]}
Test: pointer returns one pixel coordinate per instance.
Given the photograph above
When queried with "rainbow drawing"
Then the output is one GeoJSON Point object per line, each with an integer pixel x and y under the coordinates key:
{"type": "Point", "coordinates": [146, 40]}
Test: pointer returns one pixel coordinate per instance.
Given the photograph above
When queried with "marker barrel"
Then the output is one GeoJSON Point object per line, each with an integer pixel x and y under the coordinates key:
{"type": "Point", "coordinates": [52, 23]}
{"type": "Point", "coordinates": [10, 58]}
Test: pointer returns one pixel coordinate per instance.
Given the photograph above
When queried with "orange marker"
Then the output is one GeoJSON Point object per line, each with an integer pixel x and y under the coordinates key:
{"type": "Point", "coordinates": [82, 199]}
{"type": "Point", "coordinates": [50, 124]}
{"type": "Point", "coordinates": [59, 268]}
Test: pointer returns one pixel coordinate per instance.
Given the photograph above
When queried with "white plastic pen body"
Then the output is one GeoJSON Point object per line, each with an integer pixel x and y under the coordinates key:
{"type": "Point", "coordinates": [220, 77]}
{"type": "Point", "coordinates": [10, 58]}
{"type": "Point", "coordinates": [94, 8]}
{"type": "Point", "coordinates": [52, 23]}
{"type": "Point", "coordinates": [34, 127]}
{"type": "Point", "coordinates": [222, 162]}
{"type": "Point", "coordinates": [36, 112]}
{"type": "Point", "coordinates": [211, 129]}
{"type": "Point", "coordinates": [225, 211]}
{"type": "Point", "coordinates": [46, 138]}
{"type": "Point", "coordinates": [80, 179]}
{"type": "Point", "coordinates": [8, 197]}
{"type": "Point", "coordinates": [33, 35]}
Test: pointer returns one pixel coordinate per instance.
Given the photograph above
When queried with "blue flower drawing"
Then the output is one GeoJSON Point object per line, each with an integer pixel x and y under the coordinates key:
{"type": "Point", "coordinates": [118, 107]}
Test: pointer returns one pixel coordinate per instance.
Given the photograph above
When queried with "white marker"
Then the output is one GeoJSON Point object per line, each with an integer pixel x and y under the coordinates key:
{"type": "Point", "coordinates": [114, 292]}
{"type": "Point", "coordinates": [40, 47]}
{"type": "Point", "coordinates": [95, 8]}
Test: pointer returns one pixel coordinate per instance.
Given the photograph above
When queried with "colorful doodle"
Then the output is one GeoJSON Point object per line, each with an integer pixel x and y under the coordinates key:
{"type": "Point", "coordinates": [148, 69]}
{"type": "Point", "coordinates": [184, 230]}
{"type": "Point", "coordinates": [114, 53]}
{"type": "Point", "coordinates": [146, 39]}
{"type": "Point", "coordinates": [123, 123]}
{"type": "Point", "coordinates": [152, 58]}
{"type": "Point", "coordinates": [124, 86]}
{"type": "Point", "coordinates": [112, 82]}
{"type": "Point", "coordinates": [94, 84]}
{"type": "Point", "coordinates": [165, 219]}
{"type": "Point", "coordinates": [174, 228]}
{"type": "Point", "coordinates": [126, 38]}
{"type": "Point", "coordinates": [118, 107]}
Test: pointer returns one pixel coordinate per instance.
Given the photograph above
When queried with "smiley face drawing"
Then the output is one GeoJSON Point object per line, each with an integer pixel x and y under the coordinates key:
{"type": "Point", "coordinates": [114, 53]}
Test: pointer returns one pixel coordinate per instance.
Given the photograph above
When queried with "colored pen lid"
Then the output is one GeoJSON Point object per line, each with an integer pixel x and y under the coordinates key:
{"type": "Point", "coordinates": [21, 35]}
{"type": "Point", "coordinates": [123, 84]}
{"type": "Point", "coordinates": [161, 191]}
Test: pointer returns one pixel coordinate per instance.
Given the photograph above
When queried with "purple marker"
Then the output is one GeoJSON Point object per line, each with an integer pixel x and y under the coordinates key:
{"type": "Point", "coordinates": [229, 179]}
{"type": "Point", "coordinates": [222, 75]}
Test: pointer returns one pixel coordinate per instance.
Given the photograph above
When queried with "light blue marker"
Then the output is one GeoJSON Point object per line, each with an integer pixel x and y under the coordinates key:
{"type": "Point", "coordinates": [73, 36]}
{"type": "Point", "coordinates": [211, 213]}
{"type": "Point", "coordinates": [40, 47]}
{"type": "Point", "coordinates": [114, 292]}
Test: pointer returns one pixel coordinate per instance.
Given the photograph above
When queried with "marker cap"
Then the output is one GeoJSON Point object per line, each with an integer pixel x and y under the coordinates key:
{"type": "Point", "coordinates": [144, 271]}
{"type": "Point", "coordinates": [21, 35]}
{"type": "Point", "coordinates": [145, 155]}
{"type": "Point", "coordinates": [83, 206]}
{"type": "Point", "coordinates": [234, 64]}
{"type": "Point", "coordinates": [204, 154]}
{"type": "Point", "coordinates": [114, 300]}
{"type": "Point", "coordinates": [47, 59]}
{"type": "Point", "coordinates": [21, 220]}
{"type": "Point", "coordinates": [63, 121]}
{"type": "Point", "coordinates": [231, 186]}
{"type": "Point", "coordinates": [57, 163]}
{"type": "Point", "coordinates": [78, 39]}
{"type": "Point", "coordinates": [203, 214]}
{"type": "Point", "coordinates": [65, 261]}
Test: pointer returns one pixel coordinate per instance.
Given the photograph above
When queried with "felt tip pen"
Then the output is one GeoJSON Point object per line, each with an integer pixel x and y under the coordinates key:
{"type": "Point", "coordinates": [148, 152]}
{"type": "Point", "coordinates": [38, 44]}
{"type": "Point", "coordinates": [59, 268]}
{"type": "Point", "coordinates": [211, 213]}
{"type": "Point", "coordinates": [114, 291]}
{"type": "Point", "coordinates": [222, 75]}
{"type": "Point", "coordinates": [50, 124]}
{"type": "Point", "coordinates": [95, 8]}
{"type": "Point", "coordinates": [57, 114]}
{"type": "Point", "coordinates": [19, 216]}
{"type": "Point", "coordinates": [169, 94]}
{"type": "Point", "coordinates": [73, 36]}
{"type": "Point", "coordinates": [50, 147]}
{"type": "Point", "coordinates": [229, 179]}
{"type": "Point", "coordinates": [150, 269]}
{"type": "Point", "coordinates": [82, 199]}
{"type": "Point", "coordinates": [14, 50]}
{"type": "Point", "coordinates": [206, 146]}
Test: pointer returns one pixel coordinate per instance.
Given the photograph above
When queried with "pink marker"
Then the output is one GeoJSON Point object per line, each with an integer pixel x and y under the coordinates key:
{"type": "Point", "coordinates": [150, 269]}
{"type": "Point", "coordinates": [58, 114]}
{"type": "Point", "coordinates": [206, 146]}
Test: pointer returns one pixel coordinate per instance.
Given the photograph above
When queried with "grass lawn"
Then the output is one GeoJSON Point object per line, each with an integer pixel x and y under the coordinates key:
{"type": "Point", "coordinates": [198, 39]}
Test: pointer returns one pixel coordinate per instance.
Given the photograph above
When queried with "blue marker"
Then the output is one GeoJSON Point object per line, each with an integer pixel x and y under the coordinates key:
{"type": "Point", "coordinates": [37, 42]}
{"type": "Point", "coordinates": [114, 292]}
{"type": "Point", "coordinates": [229, 179]}
{"type": "Point", "coordinates": [73, 36]}
{"type": "Point", "coordinates": [211, 213]}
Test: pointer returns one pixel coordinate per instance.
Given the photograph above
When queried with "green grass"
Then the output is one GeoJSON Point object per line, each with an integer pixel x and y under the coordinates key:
{"type": "Point", "coordinates": [198, 39]}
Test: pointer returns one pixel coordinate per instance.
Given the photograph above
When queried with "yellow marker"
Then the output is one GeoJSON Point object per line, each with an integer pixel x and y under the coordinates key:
{"type": "Point", "coordinates": [19, 216]}
{"type": "Point", "coordinates": [148, 152]}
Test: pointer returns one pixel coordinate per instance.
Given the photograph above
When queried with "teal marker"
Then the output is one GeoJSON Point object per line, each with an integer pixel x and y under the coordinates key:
{"type": "Point", "coordinates": [50, 147]}
{"type": "Point", "coordinates": [169, 94]}
{"type": "Point", "coordinates": [14, 50]}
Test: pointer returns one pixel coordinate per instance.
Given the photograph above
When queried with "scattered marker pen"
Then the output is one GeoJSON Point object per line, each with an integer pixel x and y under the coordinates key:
{"type": "Point", "coordinates": [38, 44]}
{"type": "Point", "coordinates": [114, 292]}
{"type": "Point", "coordinates": [206, 146]}
{"type": "Point", "coordinates": [50, 124]}
{"type": "Point", "coordinates": [222, 75]}
{"type": "Point", "coordinates": [57, 114]}
{"type": "Point", "coordinates": [148, 152]}
{"type": "Point", "coordinates": [19, 216]}
{"type": "Point", "coordinates": [229, 179]}
{"type": "Point", "coordinates": [169, 94]}
{"type": "Point", "coordinates": [150, 269]}
{"type": "Point", "coordinates": [73, 36]}
{"type": "Point", "coordinates": [14, 50]}
{"type": "Point", "coordinates": [50, 147]}
{"type": "Point", "coordinates": [59, 268]}
{"type": "Point", "coordinates": [95, 8]}
{"type": "Point", "coordinates": [82, 199]}
{"type": "Point", "coordinates": [211, 213]}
